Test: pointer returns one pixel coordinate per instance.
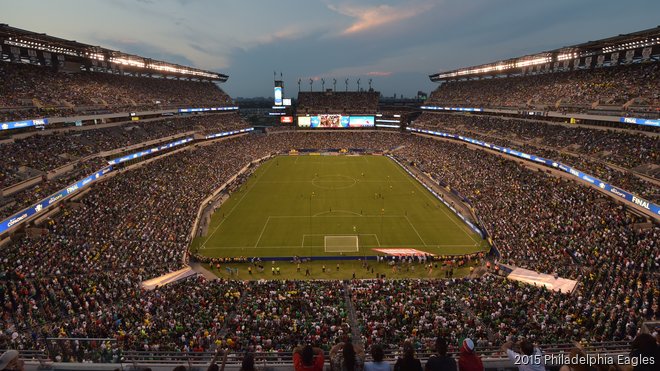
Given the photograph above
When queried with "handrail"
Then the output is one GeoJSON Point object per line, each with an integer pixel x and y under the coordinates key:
{"type": "Point", "coordinates": [205, 357]}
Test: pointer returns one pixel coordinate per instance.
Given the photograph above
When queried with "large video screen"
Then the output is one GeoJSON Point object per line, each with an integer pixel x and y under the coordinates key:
{"type": "Point", "coordinates": [335, 121]}
{"type": "Point", "coordinates": [360, 121]}
{"type": "Point", "coordinates": [329, 121]}
{"type": "Point", "coordinates": [278, 96]}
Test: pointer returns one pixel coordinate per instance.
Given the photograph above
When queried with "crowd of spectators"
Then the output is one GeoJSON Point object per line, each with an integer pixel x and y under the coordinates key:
{"type": "Point", "coordinates": [338, 102]}
{"type": "Point", "coordinates": [15, 202]}
{"type": "Point", "coordinates": [624, 148]}
{"type": "Point", "coordinates": [276, 314]}
{"type": "Point", "coordinates": [572, 90]}
{"type": "Point", "coordinates": [30, 91]}
{"type": "Point", "coordinates": [47, 152]}
{"type": "Point", "coordinates": [79, 275]}
{"type": "Point", "coordinates": [590, 150]}
{"type": "Point", "coordinates": [491, 310]}
{"type": "Point", "coordinates": [560, 225]}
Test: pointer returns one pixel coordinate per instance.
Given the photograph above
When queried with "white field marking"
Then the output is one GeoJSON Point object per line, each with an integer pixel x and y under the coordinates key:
{"type": "Point", "coordinates": [262, 232]}
{"type": "Point", "coordinates": [355, 238]}
{"type": "Point", "coordinates": [318, 180]}
{"type": "Point", "coordinates": [336, 211]}
{"type": "Point", "coordinates": [377, 240]}
{"type": "Point", "coordinates": [329, 181]}
{"type": "Point", "coordinates": [461, 226]}
{"type": "Point", "coordinates": [338, 234]}
{"type": "Point", "coordinates": [331, 234]}
{"type": "Point", "coordinates": [256, 181]}
{"type": "Point", "coordinates": [307, 247]}
{"type": "Point", "coordinates": [415, 229]}
{"type": "Point", "coordinates": [335, 216]}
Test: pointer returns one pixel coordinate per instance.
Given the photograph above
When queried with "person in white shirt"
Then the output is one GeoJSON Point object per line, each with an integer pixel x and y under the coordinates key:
{"type": "Point", "coordinates": [530, 357]}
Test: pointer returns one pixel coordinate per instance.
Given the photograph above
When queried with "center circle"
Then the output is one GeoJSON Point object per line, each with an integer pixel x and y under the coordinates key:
{"type": "Point", "coordinates": [333, 181]}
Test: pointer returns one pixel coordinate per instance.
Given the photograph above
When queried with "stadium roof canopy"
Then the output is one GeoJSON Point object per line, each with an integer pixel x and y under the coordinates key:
{"type": "Point", "coordinates": [634, 47]}
{"type": "Point", "coordinates": [19, 43]}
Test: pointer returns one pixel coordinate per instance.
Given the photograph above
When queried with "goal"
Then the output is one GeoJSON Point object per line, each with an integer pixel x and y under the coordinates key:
{"type": "Point", "coordinates": [341, 243]}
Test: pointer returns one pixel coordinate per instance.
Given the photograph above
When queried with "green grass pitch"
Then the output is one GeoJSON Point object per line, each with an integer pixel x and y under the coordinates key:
{"type": "Point", "coordinates": [291, 203]}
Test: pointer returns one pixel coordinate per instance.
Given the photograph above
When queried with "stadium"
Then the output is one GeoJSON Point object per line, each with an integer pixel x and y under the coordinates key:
{"type": "Point", "coordinates": [152, 221]}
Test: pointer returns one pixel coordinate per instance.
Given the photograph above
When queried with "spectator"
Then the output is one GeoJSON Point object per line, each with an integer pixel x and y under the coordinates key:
{"type": "Point", "coordinates": [345, 357]}
{"type": "Point", "coordinates": [530, 357]}
{"type": "Point", "coordinates": [469, 360]}
{"type": "Point", "coordinates": [248, 363]}
{"type": "Point", "coordinates": [645, 353]}
{"type": "Point", "coordinates": [408, 362]}
{"type": "Point", "coordinates": [308, 358]}
{"type": "Point", "coordinates": [377, 363]}
{"type": "Point", "coordinates": [440, 361]}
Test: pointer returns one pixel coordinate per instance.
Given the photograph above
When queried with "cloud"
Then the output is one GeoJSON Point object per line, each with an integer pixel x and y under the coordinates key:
{"type": "Point", "coordinates": [143, 49]}
{"type": "Point", "coordinates": [370, 17]}
{"type": "Point", "coordinates": [379, 73]}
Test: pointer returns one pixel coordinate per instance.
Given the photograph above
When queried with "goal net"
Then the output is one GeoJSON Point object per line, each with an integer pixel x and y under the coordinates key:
{"type": "Point", "coordinates": [341, 243]}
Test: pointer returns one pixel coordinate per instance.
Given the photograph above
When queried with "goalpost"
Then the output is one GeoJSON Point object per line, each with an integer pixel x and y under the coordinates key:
{"type": "Point", "coordinates": [341, 244]}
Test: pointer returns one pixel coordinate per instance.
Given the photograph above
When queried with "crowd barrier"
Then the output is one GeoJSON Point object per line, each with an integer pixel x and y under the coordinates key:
{"type": "Point", "coordinates": [493, 358]}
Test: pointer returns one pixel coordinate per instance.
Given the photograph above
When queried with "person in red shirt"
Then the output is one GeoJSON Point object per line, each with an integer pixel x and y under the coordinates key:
{"type": "Point", "coordinates": [308, 359]}
{"type": "Point", "coordinates": [468, 359]}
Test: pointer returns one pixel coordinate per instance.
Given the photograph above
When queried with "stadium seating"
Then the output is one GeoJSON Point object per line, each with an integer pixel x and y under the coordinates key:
{"type": "Point", "coordinates": [37, 91]}
{"type": "Point", "coordinates": [618, 89]}
{"type": "Point", "coordinates": [80, 276]}
{"type": "Point", "coordinates": [588, 149]}
{"type": "Point", "coordinates": [36, 155]}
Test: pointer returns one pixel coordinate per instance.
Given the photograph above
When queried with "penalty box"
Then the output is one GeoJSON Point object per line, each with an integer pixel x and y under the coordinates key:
{"type": "Point", "coordinates": [306, 232]}
{"type": "Point", "coordinates": [340, 243]}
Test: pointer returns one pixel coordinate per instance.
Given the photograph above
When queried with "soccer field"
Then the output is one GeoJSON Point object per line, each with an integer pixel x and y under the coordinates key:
{"type": "Point", "coordinates": [332, 205]}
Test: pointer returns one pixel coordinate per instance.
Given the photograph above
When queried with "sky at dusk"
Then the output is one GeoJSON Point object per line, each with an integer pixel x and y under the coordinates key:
{"type": "Point", "coordinates": [395, 43]}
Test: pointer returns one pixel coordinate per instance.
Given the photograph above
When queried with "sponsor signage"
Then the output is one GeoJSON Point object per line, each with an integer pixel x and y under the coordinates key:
{"type": "Point", "coordinates": [227, 133]}
{"type": "Point", "coordinates": [187, 110]}
{"type": "Point", "coordinates": [565, 168]}
{"type": "Point", "coordinates": [460, 109]}
{"type": "Point", "coordinates": [149, 151]}
{"type": "Point", "coordinates": [23, 124]}
{"type": "Point", "coordinates": [42, 205]}
{"type": "Point", "coordinates": [636, 121]}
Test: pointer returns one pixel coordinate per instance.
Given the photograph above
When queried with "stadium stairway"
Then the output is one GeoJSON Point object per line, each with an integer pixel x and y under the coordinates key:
{"type": "Point", "coordinates": [466, 309]}
{"type": "Point", "coordinates": [352, 316]}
